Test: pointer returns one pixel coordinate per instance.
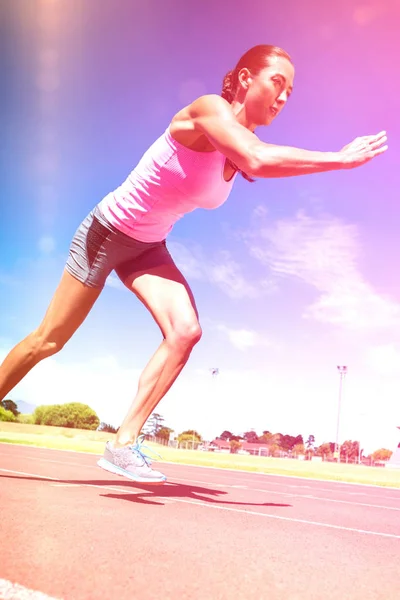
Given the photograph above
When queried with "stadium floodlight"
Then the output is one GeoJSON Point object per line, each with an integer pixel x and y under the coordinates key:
{"type": "Point", "coordinates": [342, 372]}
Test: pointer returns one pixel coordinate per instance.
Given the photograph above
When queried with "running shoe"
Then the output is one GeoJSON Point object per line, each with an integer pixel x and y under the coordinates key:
{"type": "Point", "coordinates": [130, 462]}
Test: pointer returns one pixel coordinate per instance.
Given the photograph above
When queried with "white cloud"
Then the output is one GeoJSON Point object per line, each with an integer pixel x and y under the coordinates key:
{"type": "Point", "coordinates": [227, 275]}
{"type": "Point", "coordinates": [243, 338]}
{"type": "Point", "coordinates": [358, 307]}
{"type": "Point", "coordinates": [190, 262]}
{"type": "Point", "coordinates": [323, 252]}
{"type": "Point", "coordinates": [101, 382]}
{"type": "Point", "coordinates": [222, 270]}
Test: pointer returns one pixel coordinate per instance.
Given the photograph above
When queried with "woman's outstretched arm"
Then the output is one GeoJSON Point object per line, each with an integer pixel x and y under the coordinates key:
{"type": "Point", "coordinates": [213, 116]}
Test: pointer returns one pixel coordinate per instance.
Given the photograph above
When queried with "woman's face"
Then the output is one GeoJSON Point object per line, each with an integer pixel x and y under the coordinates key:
{"type": "Point", "coordinates": [268, 91]}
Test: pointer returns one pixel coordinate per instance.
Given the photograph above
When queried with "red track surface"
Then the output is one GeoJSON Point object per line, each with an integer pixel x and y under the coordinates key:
{"type": "Point", "coordinates": [75, 532]}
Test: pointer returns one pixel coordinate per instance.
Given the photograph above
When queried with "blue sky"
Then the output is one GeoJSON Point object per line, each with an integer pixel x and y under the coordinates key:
{"type": "Point", "coordinates": [292, 277]}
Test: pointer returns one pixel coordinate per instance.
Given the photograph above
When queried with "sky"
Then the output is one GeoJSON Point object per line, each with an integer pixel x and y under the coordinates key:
{"type": "Point", "coordinates": [292, 277]}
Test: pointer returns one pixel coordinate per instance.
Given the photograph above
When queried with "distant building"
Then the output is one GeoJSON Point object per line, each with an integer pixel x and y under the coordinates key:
{"type": "Point", "coordinates": [255, 449]}
{"type": "Point", "coordinates": [219, 445]}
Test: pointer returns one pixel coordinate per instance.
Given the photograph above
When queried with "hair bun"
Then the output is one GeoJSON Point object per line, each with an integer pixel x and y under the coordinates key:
{"type": "Point", "coordinates": [227, 87]}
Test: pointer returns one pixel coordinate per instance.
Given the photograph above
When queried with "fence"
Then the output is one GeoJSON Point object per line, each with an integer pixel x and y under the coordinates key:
{"type": "Point", "coordinates": [263, 451]}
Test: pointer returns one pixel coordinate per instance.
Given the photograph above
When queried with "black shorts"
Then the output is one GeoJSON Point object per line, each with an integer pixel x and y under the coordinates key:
{"type": "Point", "coordinates": [98, 248]}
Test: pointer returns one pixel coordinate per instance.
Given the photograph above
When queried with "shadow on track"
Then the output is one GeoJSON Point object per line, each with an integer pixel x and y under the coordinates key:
{"type": "Point", "coordinates": [152, 493]}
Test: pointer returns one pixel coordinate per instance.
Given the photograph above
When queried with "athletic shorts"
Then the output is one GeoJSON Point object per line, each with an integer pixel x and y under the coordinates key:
{"type": "Point", "coordinates": [98, 248]}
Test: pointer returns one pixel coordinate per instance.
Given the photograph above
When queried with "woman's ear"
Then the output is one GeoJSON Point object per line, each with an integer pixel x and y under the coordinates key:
{"type": "Point", "coordinates": [245, 78]}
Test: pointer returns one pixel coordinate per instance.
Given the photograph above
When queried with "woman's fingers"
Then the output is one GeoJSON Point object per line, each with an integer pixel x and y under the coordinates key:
{"type": "Point", "coordinates": [379, 150]}
{"type": "Point", "coordinates": [377, 143]}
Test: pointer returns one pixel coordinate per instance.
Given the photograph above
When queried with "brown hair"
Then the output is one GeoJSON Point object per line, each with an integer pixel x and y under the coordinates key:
{"type": "Point", "coordinates": [255, 59]}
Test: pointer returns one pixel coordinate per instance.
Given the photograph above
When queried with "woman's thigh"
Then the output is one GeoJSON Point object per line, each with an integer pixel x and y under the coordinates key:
{"type": "Point", "coordinates": [163, 289]}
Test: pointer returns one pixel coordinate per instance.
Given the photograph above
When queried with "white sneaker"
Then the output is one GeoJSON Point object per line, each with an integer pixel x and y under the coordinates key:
{"type": "Point", "coordinates": [130, 462]}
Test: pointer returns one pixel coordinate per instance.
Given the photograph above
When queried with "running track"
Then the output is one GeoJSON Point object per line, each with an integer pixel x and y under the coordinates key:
{"type": "Point", "coordinates": [72, 531]}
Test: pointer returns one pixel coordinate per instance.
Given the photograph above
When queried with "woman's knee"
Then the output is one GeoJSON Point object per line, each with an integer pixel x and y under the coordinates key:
{"type": "Point", "coordinates": [185, 335]}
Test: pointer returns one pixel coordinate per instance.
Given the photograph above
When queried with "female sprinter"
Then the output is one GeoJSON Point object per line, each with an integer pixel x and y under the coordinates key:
{"type": "Point", "coordinates": [193, 164]}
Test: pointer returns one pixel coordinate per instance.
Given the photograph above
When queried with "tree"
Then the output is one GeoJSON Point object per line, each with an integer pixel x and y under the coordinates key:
{"type": "Point", "coordinates": [382, 454]}
{"type": "Point", "coordinates": [154, 424]}
{"type": "Point", "coordinates": [189, 434]}
{"type": "Point", "coordinates": [274, 450]}
{"type": "Point", "coordinates": [269, 438]}
{"type": "Point", "coordinates": [25, 419]}
{"type": "Point", "coordinates": [325, 450]}
{"type": "Point", "coordinates": [310, 442]}
{"type": "Point", "coordinates": [349, 450]}
{"type": "Point", "coordinates": [288, 442]}
{"type": "Point", "coordinates": [235, 446]}
{"type": "Point", "coordinates": [298, 439]}
{"type": "Point", "coordinates": [310, 447]}
{"type": "Point", "coordinates": [226, 435]}
{"type": "Point", "coordinates": [11, 406]}
{"type": "Point", "coordinates": [72, 414]}
{"type": "Point", "coordinates": [164, 433]}
{"type": "Point", "coordinates": [298, 449]}
{"type": "Point", "coordinates": [251, 437]}
{"type": "Point", "coordinates": [107, 428]}
{"type": "Point", "coordinates": [7, 415]}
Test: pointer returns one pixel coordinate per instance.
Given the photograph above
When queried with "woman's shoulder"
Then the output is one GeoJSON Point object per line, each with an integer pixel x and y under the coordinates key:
{"type": "Point", "coordinates": [183, 124]}
{"type": "Point", "coordinates": [209, 104]}
{"type": "Point", "coordinates": [203, 105]}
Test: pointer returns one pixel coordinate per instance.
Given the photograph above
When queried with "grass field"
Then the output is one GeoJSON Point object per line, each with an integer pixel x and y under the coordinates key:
{"type": "Point", "coordinates": [93, 442]}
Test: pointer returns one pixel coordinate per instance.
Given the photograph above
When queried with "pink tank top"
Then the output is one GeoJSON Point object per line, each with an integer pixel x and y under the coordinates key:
{"type": "Point", "coordinates": [169, 181]}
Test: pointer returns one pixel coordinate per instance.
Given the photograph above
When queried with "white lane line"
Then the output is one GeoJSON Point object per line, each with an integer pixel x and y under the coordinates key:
{"type": "Point", "coordinates": [323, 499]}
{"type": "Point", "coordinates": [65, 484]}
{"type": "Point", "coordinates": [101, 487]}
{"type": "Point", "coordinates": [223, 470]}
{"type": "Point", "coordinates": [329, 490]}
{"type": "Point", "coordinates": [266, 474]}
{"type": "Point", "coordinates": [210, 483]}
{"type": "Point", "coordinates": [58, 462]}
{"type": "Point", "coordinates": [60, 483]}
{"type": "Point", "coordinates": [12, 591]}
{"type": "Point", "coordinates": [30, 474]}
{"type": "Point", "coordinates": [127, 491]}
{"type": "Point", "coordinates": [290, 519]}
{"type": "Point", "coordinates": [292, 495]}
{"type": "Point", "coordinates": [237, 510]}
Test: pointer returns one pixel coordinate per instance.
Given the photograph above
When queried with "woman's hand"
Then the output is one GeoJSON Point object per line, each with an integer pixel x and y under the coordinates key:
{"type": "Point", "coordinates": [363, 149]}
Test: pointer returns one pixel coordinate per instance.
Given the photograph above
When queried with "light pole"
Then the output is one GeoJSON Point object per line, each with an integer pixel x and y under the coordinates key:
{"type": "Point", "coordinates": [361, 434]}
{"type": "Point", "coordinates": [214, 374]}
{"type": "Point", "coordinates": [342, 372]}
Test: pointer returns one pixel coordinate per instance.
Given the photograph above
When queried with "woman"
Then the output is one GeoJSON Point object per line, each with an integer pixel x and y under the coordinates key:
{"type": "Point", "coordinates": [193, 164]}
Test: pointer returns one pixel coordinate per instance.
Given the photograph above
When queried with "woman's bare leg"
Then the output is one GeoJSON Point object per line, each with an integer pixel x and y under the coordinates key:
{"type": "Point", "coordinates": [166, 294]}
{"type": "Point", "coordinates": [68, 309]}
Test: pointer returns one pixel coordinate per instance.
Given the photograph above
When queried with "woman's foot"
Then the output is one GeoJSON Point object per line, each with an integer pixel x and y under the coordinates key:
{"type": "Point", "coordinates": [130, 462]}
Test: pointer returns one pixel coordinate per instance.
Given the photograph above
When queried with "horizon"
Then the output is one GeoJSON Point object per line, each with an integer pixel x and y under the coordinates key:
{"type": "Point", "coordinates": [174, 434]}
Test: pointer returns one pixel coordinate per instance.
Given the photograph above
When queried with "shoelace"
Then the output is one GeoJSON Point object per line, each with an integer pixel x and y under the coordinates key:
{"type": "Point", "coordinates": [137, 448]}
